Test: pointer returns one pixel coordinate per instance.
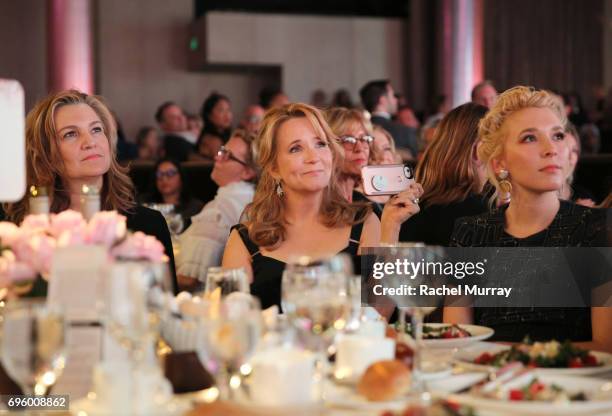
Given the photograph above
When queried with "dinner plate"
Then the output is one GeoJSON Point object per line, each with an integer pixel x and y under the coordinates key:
{"type": "Point", "coordinates": [466, 357]}
{"type": "Point", "coordinates": [599, 390]}
{"type": "Point", "coordinates": [479, 333]}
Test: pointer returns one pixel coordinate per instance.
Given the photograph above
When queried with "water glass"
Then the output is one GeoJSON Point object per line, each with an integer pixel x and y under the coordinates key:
{"type": "Point", "coordinates": [227, 280]}
{"type": "Point", "coordinates": [33, 344]}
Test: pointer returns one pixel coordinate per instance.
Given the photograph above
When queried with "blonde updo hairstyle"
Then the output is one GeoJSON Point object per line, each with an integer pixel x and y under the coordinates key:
{"type": "Point", "coordinates": [265, 216]}
{"type": "Point", "coordinates": [492, 140]}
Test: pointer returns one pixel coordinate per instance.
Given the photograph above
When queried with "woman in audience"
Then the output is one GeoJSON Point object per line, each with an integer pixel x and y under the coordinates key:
{"type": "Point", "coordinates": [383, 148]}
{"type": "Point", "coordinates": [568, 191]}
{"type": "Point", "coordinates": [171, 188]}
{"type": "Point", "coordinates": [203, 242]}
{"type": "Point", "coordinates": [217, 115]}
{"type": "Point", "coordinates": [148, 142]}
{"type": "Point", "coordinates": [354, 133]}
{"type": "Point", "coordinates": [452, 178]}
{"type": "Point", "coordinates": [70, 142]}
{"type": "Point", "coordinates": [298, 207]}
{"type": "Point", "coordinates": [524, 149]}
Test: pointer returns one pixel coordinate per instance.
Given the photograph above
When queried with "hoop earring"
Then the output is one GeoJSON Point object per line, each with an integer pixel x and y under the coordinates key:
{"type": "Point", "coordinates": [279, 189]}
{"type": "Point", "coordinates": [505, 187]}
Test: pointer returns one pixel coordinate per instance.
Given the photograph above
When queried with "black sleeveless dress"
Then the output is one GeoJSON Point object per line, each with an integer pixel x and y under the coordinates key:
{"type": "Point", "coordinates": [573, 226]}
{"type": "Point", "coordinates": [268, 271]}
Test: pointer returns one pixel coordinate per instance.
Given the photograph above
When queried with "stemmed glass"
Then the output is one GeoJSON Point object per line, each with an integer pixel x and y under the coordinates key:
{"type": "Point", "coordinates": [316, 299]}
{"type": "Point", "coordinates": [227, 280]}
{"type": "Point", "coordinates": [415, 305]}
{"type": "Point", "coordinates": [33, 344]}
{"type": "Point", "coordinates": [137, 299]}
{"type": "Point", "coordinates": [233, 327]}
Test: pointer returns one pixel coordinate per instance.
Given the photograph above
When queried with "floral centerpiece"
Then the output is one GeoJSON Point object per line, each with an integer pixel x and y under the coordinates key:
{"type": "Point", "coordinates": [27, 250]}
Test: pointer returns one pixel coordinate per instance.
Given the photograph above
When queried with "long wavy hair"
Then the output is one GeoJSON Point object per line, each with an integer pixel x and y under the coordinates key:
{"type": "Point", "coordinates": [265, 216]}
{"type": "Point", "coordinates": [341, 120]}
{"type": "Point", "coordinates": [492, 140]}
{"type": "Point", "coordinates": [45, 166]}
{"type": "Point", "coordinates": [447, 171]}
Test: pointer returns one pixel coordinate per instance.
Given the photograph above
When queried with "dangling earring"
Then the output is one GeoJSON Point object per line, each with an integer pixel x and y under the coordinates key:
{"type": "Point", "coordinates": [505, 186]}
{"type": "Point", "coordinates": [279, 189]}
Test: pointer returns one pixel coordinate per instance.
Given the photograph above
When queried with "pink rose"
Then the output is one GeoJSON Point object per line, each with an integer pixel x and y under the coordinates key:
{"type": "Point", "coordinates": [35, 223]}
{"type": "Point", "coordinates": [9, 233]}
{"type": "Point", "coordinates": [139, 246]}
{"type": "Point", "coordinates": [68, 220]}
{"type": "Point", "coordinates": [106, 227]}
{"type": "Point", "coordinates": [36, 251]}
{"type": "Point", "coordinates": [12, 271]}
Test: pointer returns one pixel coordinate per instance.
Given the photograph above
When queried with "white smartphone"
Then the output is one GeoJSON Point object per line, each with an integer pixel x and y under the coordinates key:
{"type": "Point", "coordinates": [386, 179]}
{"type": "Point", "coordinates": [12, 141]}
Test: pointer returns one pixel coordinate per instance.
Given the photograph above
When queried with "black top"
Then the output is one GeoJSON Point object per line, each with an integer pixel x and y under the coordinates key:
{"type": "Point", "coordinates": [573, 226]}
{"type": "Point", "coordinates": [152, 223]}
{"type": "Point", "coordinates": [268, 271]}
{"type": "Point", "coordinates": [377, 208]}
{"type": "Point", "coordinates": [177, 148]}
{"type": "Point", "coordinates": [433, 225]}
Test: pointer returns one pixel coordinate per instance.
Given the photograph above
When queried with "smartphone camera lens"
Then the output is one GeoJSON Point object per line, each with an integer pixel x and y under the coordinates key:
{"type": "Point", "coordinates": [408, 172]}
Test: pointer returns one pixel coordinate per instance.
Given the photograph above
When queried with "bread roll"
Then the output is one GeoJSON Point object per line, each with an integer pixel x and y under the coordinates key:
{"type": "Point", "coordinates": [384, 380]}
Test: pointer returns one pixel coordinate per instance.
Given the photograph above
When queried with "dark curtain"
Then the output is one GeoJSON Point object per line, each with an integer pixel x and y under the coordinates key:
{"type": "Point", "coordinates": [549, 44]}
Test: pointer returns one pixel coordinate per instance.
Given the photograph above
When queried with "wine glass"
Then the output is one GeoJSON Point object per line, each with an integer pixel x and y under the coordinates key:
{"type": "Point", "coordinates": [138, 298]}
{"type": "Point", "coordinates": [316, 300]}
{"type": "Point", "coordinates": [233, 327]}
{"type": "Point", "coordinates": [227, 280]}
{"type": "Point", "coordinates": [33, 344]}
{"type": "Point", "coordinates": [418, 306]}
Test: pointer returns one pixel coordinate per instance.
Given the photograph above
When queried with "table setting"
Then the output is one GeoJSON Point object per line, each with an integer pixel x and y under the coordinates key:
{"type": "Point", "coordinates": [216, 352]}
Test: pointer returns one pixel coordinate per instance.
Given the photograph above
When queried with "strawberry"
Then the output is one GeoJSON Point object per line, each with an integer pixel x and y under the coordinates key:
{"type": "Point", "coordinates": [516, 395]}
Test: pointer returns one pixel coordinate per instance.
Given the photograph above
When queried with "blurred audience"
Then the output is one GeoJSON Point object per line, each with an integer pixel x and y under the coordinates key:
{"type": "Point", "coordinates": [149, 144]}
{"type": "Point", "coordinates": [272, 97]}
{"type": "Point", "coordinates": [568, 191]}
{"type": "Point", "coordinates": [195, 124]}
{"type": "Point", "coordinates": [406, 116]}
{"type": "Point", "coordinates": [383, 148]}
{"type": "Point", "coordinates": [179, 143]}
{"type": "Point", "coordinates": [590, 139]}
{"type": "Point", "coordinates": [379, 99]}
{"type": "Point", "coordinates": [319, 99]}
{"type": "Point", "coordinates": [484, 93]}
{"type": "Point", "coordinates": [342, 98]}
{"type": "Point", "coordinates": [171, 188]}
{"type": "Point", "coordinates": [217, 115]}
{"type": "Point", "coordinates": [208, 146]}
{"type": "Point", "coordinates": [252, 118]}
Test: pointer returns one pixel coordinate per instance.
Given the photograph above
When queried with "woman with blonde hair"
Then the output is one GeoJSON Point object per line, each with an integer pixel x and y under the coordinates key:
{"type": "Point", "coordinates": [452, 178]}
{"type": "Point", "coordinates": [354, 133]}
{"type": "Point", "coordinates": [71, 141]}
{"type": "Point", "coordinates": [522, 143]}
{"type": "Point", "coordinates": [298, 207]}
{"type": "Point", "coordinates": [383, 150]}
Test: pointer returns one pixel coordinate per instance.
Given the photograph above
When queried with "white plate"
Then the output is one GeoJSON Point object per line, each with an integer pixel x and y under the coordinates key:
{"type": "Point", "coordinates": [600, 389]}
{"type": "Point", "coordinates": [479, 333]}
{"type": "Point", "coordinates": [346, 397]}
{"type": "Point", "coordinates": [467, 356]}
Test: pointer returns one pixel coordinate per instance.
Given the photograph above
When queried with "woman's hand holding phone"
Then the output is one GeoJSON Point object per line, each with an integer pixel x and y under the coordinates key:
{"type": "Point", "coordinates": [398, 209]}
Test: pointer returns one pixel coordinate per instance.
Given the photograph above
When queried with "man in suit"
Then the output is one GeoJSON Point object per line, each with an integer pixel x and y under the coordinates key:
{"type": "Point", "coordinates": [179, 143]}
{"type": "Point", "coordinates": [484, 93]}
{"type": "Point", "coordinates": [379, 99]}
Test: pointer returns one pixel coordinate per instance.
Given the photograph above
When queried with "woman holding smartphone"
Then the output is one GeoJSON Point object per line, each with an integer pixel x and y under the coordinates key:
{"type": "Point", "coordinates": [523, 147]}
{"type": "Point", "coordinates": [298, 207]}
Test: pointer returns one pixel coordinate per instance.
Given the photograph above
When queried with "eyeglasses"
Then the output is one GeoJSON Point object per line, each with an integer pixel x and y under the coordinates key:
{"type": "Point", "coordinates": [226, 154]}
{"type": "Point", "coordinates": [351, 141]}
{"type": "Point", "coordinates": [167, 174]}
